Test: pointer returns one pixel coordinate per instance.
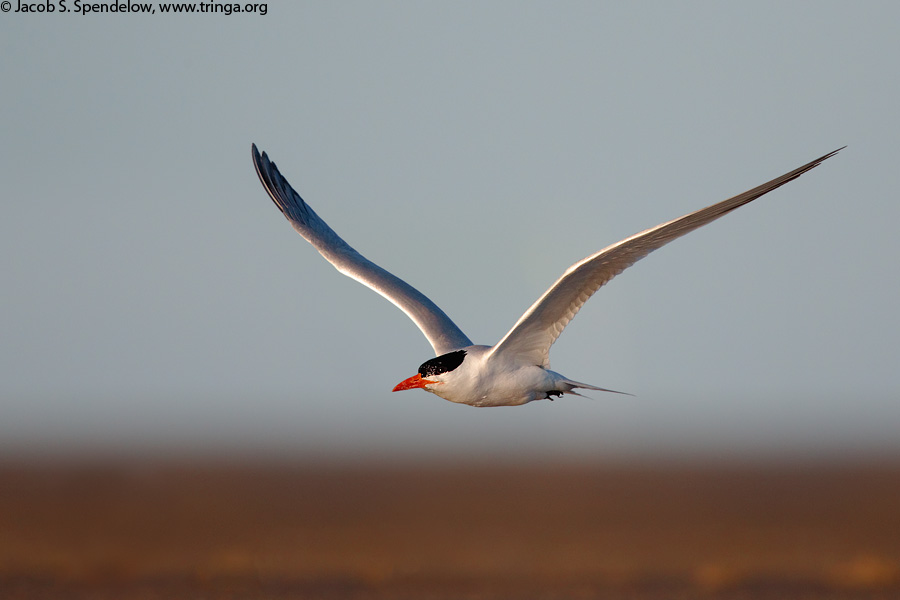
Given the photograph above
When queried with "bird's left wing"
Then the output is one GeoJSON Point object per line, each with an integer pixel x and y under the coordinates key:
{"type": "Point", "coordinates": [441, 332]}
{"type": "Point", "coordinates": [530, 338]}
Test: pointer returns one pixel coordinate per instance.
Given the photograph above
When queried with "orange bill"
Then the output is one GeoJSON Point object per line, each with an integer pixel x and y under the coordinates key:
{"type": "Point", "coordinates": [416, 381]}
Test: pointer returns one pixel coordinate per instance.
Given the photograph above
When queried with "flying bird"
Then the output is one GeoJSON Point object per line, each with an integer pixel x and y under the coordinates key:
{"type": "Point", "coordinates": [516, 370]}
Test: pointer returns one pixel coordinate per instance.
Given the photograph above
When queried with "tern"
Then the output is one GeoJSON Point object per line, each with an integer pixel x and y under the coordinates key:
{"type": "Point", "coordinates": [516, 370]}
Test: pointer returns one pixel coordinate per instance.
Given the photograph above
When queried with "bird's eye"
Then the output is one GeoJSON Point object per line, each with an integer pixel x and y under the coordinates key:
{"type": "Point", "coordinates": [442, 364]}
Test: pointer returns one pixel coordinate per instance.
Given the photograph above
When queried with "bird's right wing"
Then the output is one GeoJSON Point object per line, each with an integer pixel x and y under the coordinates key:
{"type": "Point", "coordinates": [530, 338]}
{"type": "Point", "coordinates": [441, 332]}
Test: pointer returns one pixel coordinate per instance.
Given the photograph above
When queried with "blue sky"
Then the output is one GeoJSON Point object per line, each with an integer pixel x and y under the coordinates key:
{"type": "Point", "coordinates": [155, 300]}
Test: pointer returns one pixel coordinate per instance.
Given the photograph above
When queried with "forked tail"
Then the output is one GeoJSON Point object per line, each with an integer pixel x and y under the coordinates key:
{"type": "Point", "coordinates": [574, 384]}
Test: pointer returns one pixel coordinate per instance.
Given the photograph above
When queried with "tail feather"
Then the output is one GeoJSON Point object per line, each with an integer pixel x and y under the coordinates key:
{"type": "Point", "coordinates": [574, 384]}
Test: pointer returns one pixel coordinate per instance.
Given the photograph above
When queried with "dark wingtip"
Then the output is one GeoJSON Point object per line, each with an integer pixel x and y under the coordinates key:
{"type": "Point", "coordinates": [817, 162]}
{"type": "Point", "coordinates": [832, 153]}
{"type": "Point", "coordinates": [268, 174]}
{"type": "Point", "coordinates": [254, 155]}
{"type": "Point", "coordinates": [257, 160]}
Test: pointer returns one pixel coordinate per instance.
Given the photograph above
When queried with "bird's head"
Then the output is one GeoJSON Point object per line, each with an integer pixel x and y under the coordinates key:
{"type": "Point", "coordinates": [433, 373]}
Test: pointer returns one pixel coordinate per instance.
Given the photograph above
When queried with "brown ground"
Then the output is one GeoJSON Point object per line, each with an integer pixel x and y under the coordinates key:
{"type": "Point", "coordinates": [281, 531]}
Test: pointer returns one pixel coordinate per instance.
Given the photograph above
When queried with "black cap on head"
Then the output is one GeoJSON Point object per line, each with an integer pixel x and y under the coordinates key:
{"type": "Point", "coordinates": [442, 364]}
